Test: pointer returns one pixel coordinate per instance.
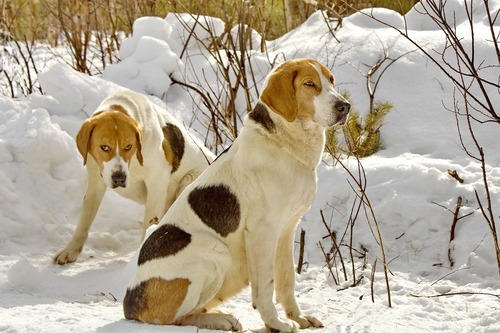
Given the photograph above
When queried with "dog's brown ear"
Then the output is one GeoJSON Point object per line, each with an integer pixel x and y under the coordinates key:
{"type": "Point", "coordinates": [138, 152]}
{"type": "Point", "coordinates": [279, 94]}
{"type": "Point", "coordinates": [83, 139]}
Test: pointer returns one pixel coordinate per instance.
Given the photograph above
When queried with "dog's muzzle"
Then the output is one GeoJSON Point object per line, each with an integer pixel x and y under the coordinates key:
{"type": "Point", "coordinates": [118, 179]}
{"type": "Point", "coordinates": [342, 109]}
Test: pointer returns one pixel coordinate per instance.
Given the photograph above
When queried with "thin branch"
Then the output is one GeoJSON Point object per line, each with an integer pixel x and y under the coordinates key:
{"type": "Point", "coordinates": [301, 251]}
{"type": "Point", "coordinates": [461, 293]}
{"type": "Point", "coordinates": [452, 229]}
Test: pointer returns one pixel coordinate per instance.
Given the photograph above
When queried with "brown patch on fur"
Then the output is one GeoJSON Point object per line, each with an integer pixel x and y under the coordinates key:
{"type": "Point", "coordinates": [118, 108]}
{"type": "Point", "coordinates": [286, 92]}
{"type": "Point", "coordinates": [111, 129]}
{"type": "Point", "coordinates": [217, 207]}
{"type": "Point", "coordinates": [306, 93]}
{"type": "Point", "coordinates": [260, 115]}
{"type": "Point", "coordinates": [166, 240]}
{"type": "Point", "coordinates": [173, 145]}
{"type": "Point", "coordinates": [279, 93]}
{"type": "Point", "coordinates": [155, 301]}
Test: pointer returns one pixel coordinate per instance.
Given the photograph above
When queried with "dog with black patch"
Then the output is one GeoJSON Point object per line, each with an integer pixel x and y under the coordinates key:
{"type": "Point", "coordinates": [140, 151]}
{"type": "Point", "coordinates": [234, 226]}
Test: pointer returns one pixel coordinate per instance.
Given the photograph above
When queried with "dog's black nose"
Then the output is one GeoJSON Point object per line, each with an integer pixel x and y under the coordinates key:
{"type": "Point", "coordinates": [342, 107]}
{"type": "Point", "coordinates": [119, 178]}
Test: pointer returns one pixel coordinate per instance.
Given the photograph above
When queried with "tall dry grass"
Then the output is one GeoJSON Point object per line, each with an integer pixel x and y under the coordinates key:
{"type": "Point", "coordinates": [92, 30]}
{"type": "Point", "coordinates": [47, 19]}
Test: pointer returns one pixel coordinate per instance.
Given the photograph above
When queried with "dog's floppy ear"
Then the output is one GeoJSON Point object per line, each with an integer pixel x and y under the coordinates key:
{"type": "Point", "coordinates": [279, 94]}
{"type": "Point", "coordinates": [138, 152]}
{"type": "Point", "coordinates": [83, 139]}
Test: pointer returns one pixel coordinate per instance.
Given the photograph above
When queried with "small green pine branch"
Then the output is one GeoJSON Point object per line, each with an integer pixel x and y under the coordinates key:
{"type": "Point", "coordinates": [361, 136]}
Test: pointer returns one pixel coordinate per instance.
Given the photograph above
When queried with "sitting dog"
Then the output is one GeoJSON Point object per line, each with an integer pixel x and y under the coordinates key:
{"type": "Point", "coordinates": [139, 150]}
{"type": "Point", "coordinates": [235, 224]}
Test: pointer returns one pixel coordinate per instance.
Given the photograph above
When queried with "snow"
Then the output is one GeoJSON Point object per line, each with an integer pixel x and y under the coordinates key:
{"type": "Point", "coordinates": [147, 59]}
{"type": "Point", "coordinates": [42, 183]}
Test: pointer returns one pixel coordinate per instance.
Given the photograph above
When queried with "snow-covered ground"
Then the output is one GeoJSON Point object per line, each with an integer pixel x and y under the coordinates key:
{"type": "Point", "coordinates": [42, 183]}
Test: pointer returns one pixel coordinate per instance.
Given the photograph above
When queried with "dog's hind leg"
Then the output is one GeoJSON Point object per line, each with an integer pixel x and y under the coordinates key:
{"type": "Point", "coordinates": [155, 301]}
{"type": "Point", "coordinates": [211, 321]}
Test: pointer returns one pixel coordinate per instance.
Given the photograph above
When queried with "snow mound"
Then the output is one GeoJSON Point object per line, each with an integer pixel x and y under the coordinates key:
{"type": "Point", "coordinates": [147, 61]}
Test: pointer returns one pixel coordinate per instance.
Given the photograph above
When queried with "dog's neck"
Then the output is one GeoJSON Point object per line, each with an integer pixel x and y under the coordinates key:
{"type": "Point", "coordinates": [303, 139]}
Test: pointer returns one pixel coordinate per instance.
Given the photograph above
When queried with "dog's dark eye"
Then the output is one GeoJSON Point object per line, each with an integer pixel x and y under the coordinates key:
{"type": "Point", "coordinates": [105, 148]}
{"type": "Point", "coordinates": [332, 80]}
{"type": "Point", "coordinates": [128, 147]}
{"type": "Point", "coordinates": [309, 83]}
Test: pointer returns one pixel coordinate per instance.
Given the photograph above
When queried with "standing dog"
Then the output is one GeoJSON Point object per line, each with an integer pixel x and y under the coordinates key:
{"type": "Point", "coordinates": [235, 224]}
{"type": "Point", "coordinates": [139, 150]}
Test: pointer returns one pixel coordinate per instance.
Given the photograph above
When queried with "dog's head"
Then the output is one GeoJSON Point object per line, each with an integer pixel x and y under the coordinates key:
{"type": "Point", "coordinates": [112, 138]}
{"type": "Point", "coordinates": [304, 88]}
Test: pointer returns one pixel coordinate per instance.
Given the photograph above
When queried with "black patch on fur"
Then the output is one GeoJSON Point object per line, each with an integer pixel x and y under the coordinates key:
{"type": "Point", "coordinates": [175, 140]}
{"type": "Point", "coordinates": [217, 207]}
{"type": "Point", "coordinates": [134, 301]}
{"type": "Point", "coordinates": [165, 241]}
{"type": "Point", "coordinates": [260, 115]}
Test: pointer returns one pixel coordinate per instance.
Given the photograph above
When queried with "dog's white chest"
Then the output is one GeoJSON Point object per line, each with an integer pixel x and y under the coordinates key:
{"type": "Point", "coordinates": [300, 192]}
{"type": "Point", "coordinates": [287, 192]}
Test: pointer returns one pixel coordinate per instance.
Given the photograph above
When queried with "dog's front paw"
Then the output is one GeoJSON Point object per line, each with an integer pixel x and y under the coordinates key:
{"type": "Point", "coordinates": [281, 327]}
{"type": "Point", "coordinates": [307, 321]}
{"type": "Point", "coordinates": [67, 255]}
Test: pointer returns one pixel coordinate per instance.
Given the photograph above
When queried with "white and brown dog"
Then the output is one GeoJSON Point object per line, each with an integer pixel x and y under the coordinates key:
{"type": "Point", "coordinates": [139, 150]}
{"type": "Point", "coordinates": [235, 224]}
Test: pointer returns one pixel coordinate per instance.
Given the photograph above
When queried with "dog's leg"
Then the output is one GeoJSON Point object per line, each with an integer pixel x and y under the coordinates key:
{"type": "Point", "coordinates": [158, 205]}
{"type": "Point", "coordinates": [285, 282]}
{"type": "Point", "coordinates": [95, 192]}
{"type": "Point", "coordinates": [261, 251]}
{"type": "Point", "coordinates": [158, 201]}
